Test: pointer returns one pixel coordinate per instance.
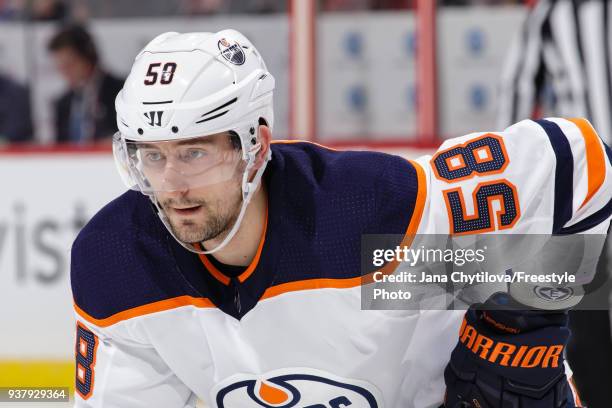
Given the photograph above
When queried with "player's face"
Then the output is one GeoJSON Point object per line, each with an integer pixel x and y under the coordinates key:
{"type": "Point", "coordinates": [203, 214]}
{"type": "Point", "coordinates": [202, 211]}
{"type": "Point", "coordinates": [75, 69]}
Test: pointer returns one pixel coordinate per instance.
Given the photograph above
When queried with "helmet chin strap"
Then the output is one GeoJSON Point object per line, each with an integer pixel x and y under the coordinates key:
{"type": "Point", "coordinates": [248, 190]}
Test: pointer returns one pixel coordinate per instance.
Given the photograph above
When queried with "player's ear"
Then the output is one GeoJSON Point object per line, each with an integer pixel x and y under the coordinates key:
{"type": "Point", "coordinates": [265, 137]}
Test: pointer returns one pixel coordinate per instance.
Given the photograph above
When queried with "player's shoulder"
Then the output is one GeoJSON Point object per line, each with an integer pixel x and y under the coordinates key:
{"type": "Point", "coordinates": [321, 164]}
{"type": "Point", "coordinates": [123, 212]}
{"type": "Point", "coordinates": [325, 200]}
{"type": "Point", "coordinates": [119, 258]}
{"type": "Point", "coordinates": [381, 188]}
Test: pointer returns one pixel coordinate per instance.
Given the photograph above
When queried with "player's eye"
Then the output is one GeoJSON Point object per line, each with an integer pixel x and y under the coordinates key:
{"type": "Point", "coordinates": [194, 154]}
{"type": "Point", "coordinates": [152, 157]}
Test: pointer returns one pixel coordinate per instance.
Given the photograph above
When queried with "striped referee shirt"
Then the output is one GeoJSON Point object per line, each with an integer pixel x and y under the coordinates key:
{"type": "Point", "coordinates": [564, 46]}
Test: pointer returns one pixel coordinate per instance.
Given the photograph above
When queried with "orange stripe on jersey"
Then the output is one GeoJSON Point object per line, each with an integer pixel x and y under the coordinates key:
{"type": "Point", "coordinates": [251, 268]}
{"type": "Point", "coordinates": [309, 284]}
{"type": "Point", "coordinates": [415, 220]}
{"type": "Point", "coordinates": [154, 307]}
{"type": "Point", "coordinates": [596, 162]}
{"type": "Point", "coordinates": [419, 206]}
{"type": "Point", "coordinates": [217, 274]}
{"type": "Point", "coordinates": [303, 141]}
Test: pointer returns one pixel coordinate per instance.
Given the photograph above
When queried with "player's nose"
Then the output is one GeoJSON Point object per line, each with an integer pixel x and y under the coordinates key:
{"type": "Point", "coordinates": [174, 181]}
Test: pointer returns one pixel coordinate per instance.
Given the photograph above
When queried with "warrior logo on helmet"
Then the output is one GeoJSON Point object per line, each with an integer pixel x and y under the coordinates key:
{"type": "Point", "coordinates": [232, 52]}
{"type": "Point", "coordinates": [154, 117]}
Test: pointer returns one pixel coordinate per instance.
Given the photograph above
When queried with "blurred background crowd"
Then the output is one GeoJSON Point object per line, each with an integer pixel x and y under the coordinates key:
{"type": "Point", "coordinates": [83, 111]}
{"type": "Point", "coordinates": [45, 10]}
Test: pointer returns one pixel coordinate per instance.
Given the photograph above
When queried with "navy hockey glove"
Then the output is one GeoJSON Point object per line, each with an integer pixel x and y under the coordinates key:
{"type": "Point", "coordinates": [509, 358]}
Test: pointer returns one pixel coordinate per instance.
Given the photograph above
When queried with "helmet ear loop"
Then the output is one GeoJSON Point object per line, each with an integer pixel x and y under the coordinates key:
{"type": "Point", "coordinates": [248, 187]}
{"type": "Point", "coordinates": [249, 154]}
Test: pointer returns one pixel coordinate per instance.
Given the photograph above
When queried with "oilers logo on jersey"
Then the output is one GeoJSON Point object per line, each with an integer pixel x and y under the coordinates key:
{"type": "Point", "coordinates": [299, 387]}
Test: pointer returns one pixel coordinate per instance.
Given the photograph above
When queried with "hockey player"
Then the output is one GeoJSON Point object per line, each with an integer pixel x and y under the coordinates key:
{"type": "Point", "coordinates": [232, 273]}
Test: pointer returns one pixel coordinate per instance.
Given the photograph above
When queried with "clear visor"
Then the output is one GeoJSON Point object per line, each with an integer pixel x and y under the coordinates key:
{"type": "Point", "coordinates": [180, 165]}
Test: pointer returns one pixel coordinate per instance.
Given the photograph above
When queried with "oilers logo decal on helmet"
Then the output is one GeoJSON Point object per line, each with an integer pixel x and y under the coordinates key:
{"type": "Point", "coordinates": [231, 52]}
{"type": "Point", "coordinates": [297, 388]}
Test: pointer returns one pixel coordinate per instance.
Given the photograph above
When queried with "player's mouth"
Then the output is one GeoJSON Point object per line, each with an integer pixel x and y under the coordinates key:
{"type": "Point", "coordinates": [186, 210]}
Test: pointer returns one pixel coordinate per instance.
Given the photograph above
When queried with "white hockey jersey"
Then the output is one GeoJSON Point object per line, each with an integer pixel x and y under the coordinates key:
{"type": "Point", "coordinates": [158, 326]}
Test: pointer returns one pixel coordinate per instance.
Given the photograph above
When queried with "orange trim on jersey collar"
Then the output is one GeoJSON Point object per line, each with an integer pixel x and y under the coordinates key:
{"type": "Point", "coordinates": [251, 268]}
{"type": "Point", "coordinates": [149, 308]}
{"type": "Point", "coordinates": [211, 268]}
{"type": "Point", "coordinates": [217, 274]}
{"type": "Point", "coordinates": [595, 158]}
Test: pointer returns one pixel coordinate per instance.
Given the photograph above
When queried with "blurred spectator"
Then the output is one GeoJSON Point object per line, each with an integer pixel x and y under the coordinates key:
{"type": "Point", "coordinates": [11, 9]}
{"type": "Point", "coordinates": [83, 10]}
{"type": "Point", "coordinates": [87, 111]}
{"type": "Point", "coordinates": [15, 114]}
{"type": "Point", "coordinates": [203, 7]}
{"type": "Point", "coordinates": [124, 9]}
{"type": "Point", "coordinates": [48, 10]}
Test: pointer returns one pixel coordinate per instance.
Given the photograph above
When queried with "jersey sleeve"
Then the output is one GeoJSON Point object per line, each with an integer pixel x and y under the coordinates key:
{"type": "Point", "coordinates": [536, 177]}
{"type": "Point", "coordinates": [116, 364]}
{"type": "Point", "coordinates": [120, 373]}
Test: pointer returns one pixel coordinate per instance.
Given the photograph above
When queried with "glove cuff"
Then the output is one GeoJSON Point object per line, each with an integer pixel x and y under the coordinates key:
{"type": "Point", "coordinates": [505, 315]}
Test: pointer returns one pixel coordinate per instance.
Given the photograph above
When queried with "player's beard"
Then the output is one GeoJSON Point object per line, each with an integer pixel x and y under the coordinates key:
{"type": "Point", "coordinates": [219, 218]}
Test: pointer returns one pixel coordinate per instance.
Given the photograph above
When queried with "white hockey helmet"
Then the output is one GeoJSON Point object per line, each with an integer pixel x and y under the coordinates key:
{"type": "Point", "coordinates": [193, 85]}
